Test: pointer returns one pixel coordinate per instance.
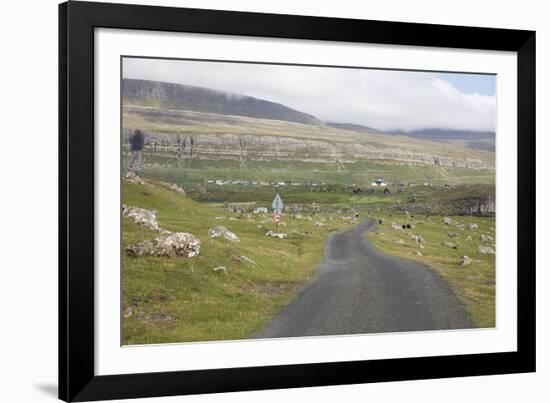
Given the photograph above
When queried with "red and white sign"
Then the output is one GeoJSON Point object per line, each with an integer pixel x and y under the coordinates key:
{"type": "Point", "coordinates": [276, 218]}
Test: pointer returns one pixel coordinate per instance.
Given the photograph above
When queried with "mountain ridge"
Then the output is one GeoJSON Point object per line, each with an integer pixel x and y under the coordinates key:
{"type": "Point", "coordinates": [201, 99]}
{"type": "Point", "coordinates": [483, 140]}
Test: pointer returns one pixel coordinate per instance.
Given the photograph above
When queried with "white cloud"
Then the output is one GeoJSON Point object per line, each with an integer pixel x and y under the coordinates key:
{"type": "Point", "coordinates": [382, 99]}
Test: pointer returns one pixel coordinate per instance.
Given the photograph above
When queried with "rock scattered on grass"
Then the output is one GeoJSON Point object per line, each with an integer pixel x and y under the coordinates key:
{"type": "Point", "coordinates": [221, 231]}
{"type": "Point", "coordinates": [450, 245]}
{"type": "Point", "coordinates": [400, 242]}
{"type": "Point", "coordinates": [486, 238]}
{"type": "Point", "coordinates": [176, 188]}
{"type": "Point", "coordinates": [155, 317]}
{"type": "Point", "coordinates": [469, 238]}
{"type": "Point", "coordinates": [465, 261]}
{"type": "Point", "coordinates": [395, 226]}
{"type": "Point", "coordinates": [279, 235]}
{"type": "Point", "coordinates": [473, 226]}
{"type": "Point", "coordinates": [418, 253]}
{"type": "Point", "coordinates": [243, 258]}
{"type": "Point", "coordinates": [179, 244]}
{"type": "Point", "coordinates": [127, 312]}
{"type": "Point", "coordinates": [452, 234]}
{"type": "Point", "coordinates": [144, 217]}
{"type": "Point", "coordinates": [485, 250]}
{"type": "Point", "coordinates": [418, 238]}
{"type": "Point", "coordinates": [135, 178]}
{"type": "Point", "coordinates": [220, 268]}
{"type": "Point", "coordinates": [447, 221]}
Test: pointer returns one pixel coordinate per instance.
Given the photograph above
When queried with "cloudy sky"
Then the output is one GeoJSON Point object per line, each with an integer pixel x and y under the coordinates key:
{"type": "Point", "coordinates": [383, 99]}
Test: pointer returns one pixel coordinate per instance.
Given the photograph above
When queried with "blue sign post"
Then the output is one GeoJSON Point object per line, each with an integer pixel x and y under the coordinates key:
{"type": "Point", "coordinates": [277, 207]}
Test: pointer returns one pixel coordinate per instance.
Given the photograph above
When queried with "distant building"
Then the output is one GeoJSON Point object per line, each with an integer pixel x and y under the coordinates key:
{"type": "Point", "coordinates": [379, 182]}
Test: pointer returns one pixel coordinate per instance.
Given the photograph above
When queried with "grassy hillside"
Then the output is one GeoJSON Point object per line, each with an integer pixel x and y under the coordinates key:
{"type": "Point", "coordinates": [184, 299]}
{"type": "Point", "coordinates": [474, 284]}
{"type": "Point", "coordinates": [190, 148]}
{"type": "Point", "coordinates": [167, 122]}
{"type": "Point", "coordinates": [359, 173]}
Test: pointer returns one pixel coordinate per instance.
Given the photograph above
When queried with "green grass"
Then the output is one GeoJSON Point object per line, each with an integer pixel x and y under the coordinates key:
{"type": "Point", "coordinates": [208, 304]}
{"type": "Point", "coordinates": [473, 284]}
{"type": "Point", "coordinates": [359, 173]}
{"type": "Point", "coordinates": [301, 151]}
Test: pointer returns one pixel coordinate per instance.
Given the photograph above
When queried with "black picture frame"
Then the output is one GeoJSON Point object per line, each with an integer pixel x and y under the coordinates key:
{"type": "Point", "coordinates": [77, 379]}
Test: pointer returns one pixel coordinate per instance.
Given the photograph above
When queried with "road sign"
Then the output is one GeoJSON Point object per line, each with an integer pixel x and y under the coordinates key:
{"type": "Point", "coordinates": [276, 218]}
{"type": "Point", "coordinates": [277, 204]}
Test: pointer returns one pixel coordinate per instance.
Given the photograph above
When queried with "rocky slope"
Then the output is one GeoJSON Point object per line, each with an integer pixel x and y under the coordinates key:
{"type": "Point", "coordinates": [196, 135]}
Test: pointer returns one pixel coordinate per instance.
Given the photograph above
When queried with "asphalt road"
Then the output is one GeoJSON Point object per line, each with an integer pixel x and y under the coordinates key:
{"type": "Point", "coordinates": [358, 289]}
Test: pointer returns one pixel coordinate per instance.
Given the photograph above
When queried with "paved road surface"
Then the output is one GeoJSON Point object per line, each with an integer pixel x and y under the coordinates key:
{"type": "Point", "coordinates": [361, 290]}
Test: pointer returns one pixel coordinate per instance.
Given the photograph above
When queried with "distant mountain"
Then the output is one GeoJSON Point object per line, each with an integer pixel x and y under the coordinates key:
{"type": "Point", "coordinates": [178, 96]}
{"type": "Point", "coordinates": [354, 127]}
{"type": "Point", "coordinates": [447, 134]}
{"type": "Point", "coordinates": [483, 140]}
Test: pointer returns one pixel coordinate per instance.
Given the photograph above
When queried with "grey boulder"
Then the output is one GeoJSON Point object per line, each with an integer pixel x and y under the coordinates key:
{"type": "Point", "coordinates": [179, 244]}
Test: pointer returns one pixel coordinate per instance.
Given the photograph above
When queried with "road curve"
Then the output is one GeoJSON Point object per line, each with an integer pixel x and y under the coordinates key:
{"type": "Point", "coordinates": [359, 289]}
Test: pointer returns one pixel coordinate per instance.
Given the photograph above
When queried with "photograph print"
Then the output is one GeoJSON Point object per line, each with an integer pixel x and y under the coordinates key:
{"type": "Point", "coordinates": [271, 201]}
